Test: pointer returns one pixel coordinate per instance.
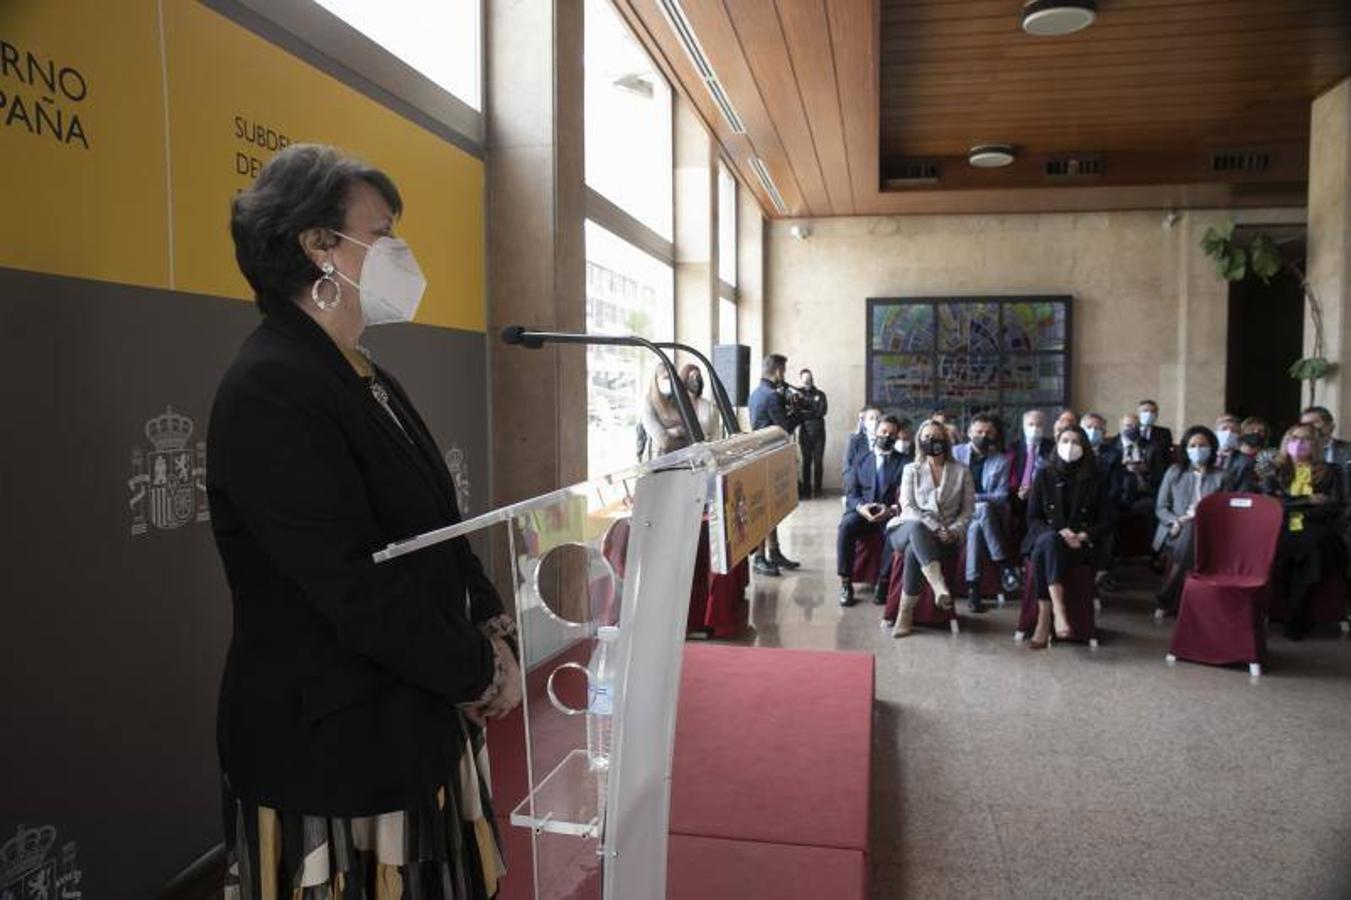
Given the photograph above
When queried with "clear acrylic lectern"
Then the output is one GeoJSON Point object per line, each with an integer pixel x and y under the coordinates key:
{"type": "Point", "coordinates": [615, 551]}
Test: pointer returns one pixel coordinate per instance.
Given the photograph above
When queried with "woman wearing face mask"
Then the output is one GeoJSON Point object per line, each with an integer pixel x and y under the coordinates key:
{"type": "Point", "coordinates": [354, 694]}
{"type": "Point", "coordinates": [938, 498]}
{"type": "Point", "coordinates": [1309, 547]}
{"type": "Point", "coordinates": [1183, 487]}
{"type": "Point", "coordinates": [661, 416]}
{"type": "Point", "coordinates": [1254, 435]}
{"type": "Point", "coordinates": [704, 410]}
{"type": "Point", "coordinates": [1068, 518]}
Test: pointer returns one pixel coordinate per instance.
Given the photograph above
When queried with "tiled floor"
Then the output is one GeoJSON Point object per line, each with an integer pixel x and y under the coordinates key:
{"type": "Point", "coordinates": [1004, 772]}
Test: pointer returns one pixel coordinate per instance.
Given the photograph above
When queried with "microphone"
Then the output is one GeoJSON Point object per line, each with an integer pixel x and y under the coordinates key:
{"type": "Point", "coordinates": [720, 396]}
{"type": "Point", "coordinates": [520, 336]}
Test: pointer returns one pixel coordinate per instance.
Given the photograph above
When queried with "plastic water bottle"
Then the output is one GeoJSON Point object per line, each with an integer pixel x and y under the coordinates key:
{"type": "Point", "coordinates": [600, 708]}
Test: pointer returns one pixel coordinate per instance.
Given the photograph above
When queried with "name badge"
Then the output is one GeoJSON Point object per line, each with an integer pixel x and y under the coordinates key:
{"type": "Point", "coordinates": [1241, 503]}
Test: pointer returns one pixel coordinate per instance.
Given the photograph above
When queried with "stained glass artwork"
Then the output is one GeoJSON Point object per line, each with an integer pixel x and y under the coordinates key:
{"type": "Point", "coordinates": [902, 380]}
{"type": "Point", "coordinates": [902, 328]}
{"type": "Point", "coordinates": [969, 355]}
{"type": "Point", "coordinates": [1034, 327]}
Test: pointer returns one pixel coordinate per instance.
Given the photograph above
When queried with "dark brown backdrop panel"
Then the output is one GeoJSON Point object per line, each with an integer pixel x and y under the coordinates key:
{"type": "Point", "coordinates": [114, 613]}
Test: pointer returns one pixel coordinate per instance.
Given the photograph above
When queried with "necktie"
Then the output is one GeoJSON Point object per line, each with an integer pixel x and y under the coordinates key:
{"type": "Point", "coordinates": [1029, 465]}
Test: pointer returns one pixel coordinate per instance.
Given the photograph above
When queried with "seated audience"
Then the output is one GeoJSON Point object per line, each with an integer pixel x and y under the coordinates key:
{"type": "Point", "coordinates": [937, 501]}
{"type": "Point", "coordinates": [1107, 457]}
{"type": "Point", "coordinates": [1183, 487]}
{"type": "Point", "coordinates": [871, 501]}
{"type": "Point", "coordinates": [1030, 455]}
{"type": "Point", "coordinates": [1254, 442]}
{"type": "Point", "coordinates": [860, 442]}
{"type": "Point", "coordinates": [1314, 501]}
{"type": "Point", "coordinates": [1152, 434]}
{"type": "Point", "coordinates": [987, 535]}
{"type": "Point", "coordinates": [1140, 468]}
{"type": "Point", "coordinates": [1335, 452]}
{"type": "Point", "coordinates": [1236, 465]}
{"type": "Point", "coordinates": [1068, 516]}
{"type": "Point", "coordinates": [1066, 418]}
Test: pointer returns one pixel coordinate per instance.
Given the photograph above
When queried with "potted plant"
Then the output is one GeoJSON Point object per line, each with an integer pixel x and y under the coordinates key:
{"type": "Point", "coordinates": [1262, 257]}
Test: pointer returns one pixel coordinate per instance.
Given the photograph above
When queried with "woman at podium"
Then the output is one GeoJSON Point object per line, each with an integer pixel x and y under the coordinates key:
{"type": "Point", "coordinates": [349, 726]}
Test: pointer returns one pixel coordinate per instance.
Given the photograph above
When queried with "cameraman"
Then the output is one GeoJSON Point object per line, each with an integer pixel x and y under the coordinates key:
{"type": "Point", "coordinates": [767, 407]}
{"type": "Point", "coordinates": [812, 438]}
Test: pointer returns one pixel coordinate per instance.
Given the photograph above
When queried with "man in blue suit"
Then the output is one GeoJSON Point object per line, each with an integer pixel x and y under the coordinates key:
{"type": "Point", "coordinates": [873, 488]}
{"type": "Point", "coordinates": [987, 535]}
{"type": "Point", "coordinates": [860, 442]}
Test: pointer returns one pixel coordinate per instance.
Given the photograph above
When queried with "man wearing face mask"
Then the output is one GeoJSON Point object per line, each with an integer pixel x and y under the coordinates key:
{"type": "Point", "coordinates": [1237, 467]}
{"type": "Point", "coordinates": [812, 435]}
{"type": "Point", "coordinates": [350, 689]}
{"type": "Point", "coordinates": [871, 501]}
{"type": "Point", "coordinates": [767, 407]}
{"type": "Point", "coordinates": [987, 535]}
{"type": "Point", "coordinates": [860, 442]}
{"type": "Point", "coordinates": [1152, 434]}
{"type": "Point", "coordinates": [1029, 455]}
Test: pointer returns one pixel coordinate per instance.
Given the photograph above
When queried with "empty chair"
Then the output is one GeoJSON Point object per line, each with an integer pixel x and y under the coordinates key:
{"type": "Point", "coordinates": [1222, 615]}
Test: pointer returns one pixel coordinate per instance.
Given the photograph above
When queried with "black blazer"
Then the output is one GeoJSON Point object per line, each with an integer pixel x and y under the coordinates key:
{"type": "Point", "coordinates": [340, 685]}
{"type": "Point", "coordinates": [1057, 502]}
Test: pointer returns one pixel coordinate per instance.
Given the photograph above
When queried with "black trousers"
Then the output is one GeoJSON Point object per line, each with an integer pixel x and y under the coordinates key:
{"type": "Point", "coordinates": [853, 528]}
{"type": "Point", "coordinates": [813, 446]}
{"type": "Point", "coordinates": [1302, 559]}
{"type": "Point", "coordinates": [1052, 558]}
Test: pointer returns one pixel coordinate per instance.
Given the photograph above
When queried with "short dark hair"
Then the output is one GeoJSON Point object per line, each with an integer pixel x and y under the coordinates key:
{"type": "Point", "coordinates": [983, 418]}
{"type": "Point", "coordinates": [890, 420]}
{"type": "Point", "coordinates": [304, 186]}
{"type": "Point", "coordinates": [1146, 403]}
{"type": "Point", "coordinates": [773, 362]}
{"type": "Point", "coordinates": [1321, 411]}
{"type": "Point", "coordinates": [903, 423]}
{"type": "Point", "coordinates": [805, 372]}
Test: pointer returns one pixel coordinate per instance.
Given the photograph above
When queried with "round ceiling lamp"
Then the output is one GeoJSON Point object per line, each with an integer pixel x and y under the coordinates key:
{"type": "Point", "coordinates": [1050, 18]}
{"type": "Point", "coordinates": [990, 156]}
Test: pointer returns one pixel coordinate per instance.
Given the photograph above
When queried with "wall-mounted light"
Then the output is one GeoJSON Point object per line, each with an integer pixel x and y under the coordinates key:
{"type": "Point", "coordinates": [1051, 18]}
{"type": "Point", "coordinates": [990, 156]}
{"type": "Point", "coordinates": [801, 232]}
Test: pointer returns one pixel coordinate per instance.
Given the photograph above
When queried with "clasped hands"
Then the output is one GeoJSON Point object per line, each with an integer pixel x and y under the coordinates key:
{"type": "Point", "coordinates": [875, 511]}
{"type": "Point", "coordinates": [508, 682]}
{"type": "Point", "coordinates": [1074, 539]}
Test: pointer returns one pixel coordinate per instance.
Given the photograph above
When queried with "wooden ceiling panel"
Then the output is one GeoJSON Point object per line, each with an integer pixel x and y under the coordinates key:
{"type": "Point", "coordinates": [806, 31]}
{"type": "Point", "coordinates": [830, 89]}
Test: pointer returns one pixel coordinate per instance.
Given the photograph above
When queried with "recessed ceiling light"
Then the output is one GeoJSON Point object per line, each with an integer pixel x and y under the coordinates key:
{"type": "Point", "coordinates": [1048, 18]}
{"type": "Point", "coordinates": [990, 156]}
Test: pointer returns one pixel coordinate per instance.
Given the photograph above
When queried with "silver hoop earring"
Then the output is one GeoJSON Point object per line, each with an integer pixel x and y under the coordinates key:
{"type": "Point", "coordinates": [316, 289]}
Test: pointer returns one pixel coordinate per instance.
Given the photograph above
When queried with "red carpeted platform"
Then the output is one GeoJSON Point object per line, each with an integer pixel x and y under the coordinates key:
{"type": "Point", "coordinates": [774, 746]}
{"type": "Point", "coordinates": [770, 787]}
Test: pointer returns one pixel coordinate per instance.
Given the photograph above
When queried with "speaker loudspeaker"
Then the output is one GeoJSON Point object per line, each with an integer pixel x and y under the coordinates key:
{"type": "Point", "coordinates": [732, 362]}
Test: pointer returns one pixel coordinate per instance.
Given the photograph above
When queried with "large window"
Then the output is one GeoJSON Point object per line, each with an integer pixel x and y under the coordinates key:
{"type": "Point", "coordinates": [967, 355]}
{"type": "Point", "coordinates": [727, 321]}
{"type": "Point", "coordinates": [726, 226]}
{"type": "Point", "coordinates": [627, 292]}
{"type": "Point", "coordinates": [628, 122]}
{"type": "Point", "coordinates": [439, 38]}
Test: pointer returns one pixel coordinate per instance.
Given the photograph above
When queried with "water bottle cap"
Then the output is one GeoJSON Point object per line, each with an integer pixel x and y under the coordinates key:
{"type": "Point", "coordinates": [608, 632]}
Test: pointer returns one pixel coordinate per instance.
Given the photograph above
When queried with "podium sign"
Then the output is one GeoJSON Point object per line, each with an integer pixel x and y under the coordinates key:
{"type": "Point", "coordinates": [615, 551]}
{"type": "Point", "coordinates": [750, 500]}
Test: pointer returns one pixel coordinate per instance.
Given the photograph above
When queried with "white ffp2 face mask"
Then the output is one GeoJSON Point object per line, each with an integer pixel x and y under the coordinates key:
{"type": "Point", "coordinates": [391, 283]}
{"type": "Point", "coordinates": [1069, 451]}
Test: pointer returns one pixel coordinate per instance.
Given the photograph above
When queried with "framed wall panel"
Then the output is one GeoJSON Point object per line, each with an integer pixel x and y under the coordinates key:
{"type": "Point", "coordinates": [1000, 355]}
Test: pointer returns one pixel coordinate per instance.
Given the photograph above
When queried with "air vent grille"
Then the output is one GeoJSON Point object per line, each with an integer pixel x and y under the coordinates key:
{"type": "Point", "coordinates": [1240, 161]}
{"type": "Point", "coordinates": [904, 172]}
{"type": "Point", "coordinates": [680, 24]}
{"type": "Point", "coordinates": [1075, 167]}
{"type": "Point", "coordinates": [767, 181]}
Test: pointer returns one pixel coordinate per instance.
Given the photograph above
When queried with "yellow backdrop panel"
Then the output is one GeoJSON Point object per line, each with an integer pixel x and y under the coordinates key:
{"type": "Point", "coordinates": [234, 99]}
{"type": "Point", "coordinates": [82, 140]}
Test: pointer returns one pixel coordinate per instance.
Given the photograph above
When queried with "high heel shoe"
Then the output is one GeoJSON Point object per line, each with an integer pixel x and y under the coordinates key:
{"type": "Point", "coordinates": [1039, 645]}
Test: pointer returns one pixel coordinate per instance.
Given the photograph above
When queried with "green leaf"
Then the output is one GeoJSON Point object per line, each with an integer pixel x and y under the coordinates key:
{"type": "Point", "coordinates": [1312, 368]}
{"type": "Point", "coordinates": [1266, 257]}
{"type": "Point", "coordinates": [1236, 264]}
{"type": "Point", "coordinates": [1213, 243]}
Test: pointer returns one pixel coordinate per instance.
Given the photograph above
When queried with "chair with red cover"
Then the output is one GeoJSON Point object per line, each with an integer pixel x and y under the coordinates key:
{"type": "Point", "coordinates": [1080, 605]}
{"type": "Point", "coordinates": [1221, 617]}
{"type": "Point", "coordinates": [927, 611]}
{"type": "Point", "coordinates": [868, 558]}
